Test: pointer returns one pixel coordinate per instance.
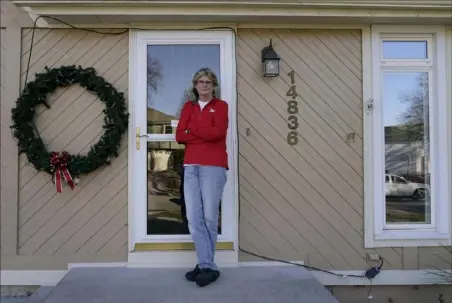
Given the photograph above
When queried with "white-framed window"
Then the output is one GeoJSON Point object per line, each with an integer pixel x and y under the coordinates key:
{"type": "Point", "coordinates": [407, 136]}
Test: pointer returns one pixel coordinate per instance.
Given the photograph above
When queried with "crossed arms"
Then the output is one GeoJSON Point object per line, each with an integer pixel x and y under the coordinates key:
{"type": "Point", "coordinates": [189, 131]}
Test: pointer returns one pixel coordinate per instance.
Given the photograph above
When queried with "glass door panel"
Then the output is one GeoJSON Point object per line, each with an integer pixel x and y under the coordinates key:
{"type": "Point", "coordinates": [406, 103]}
{"type": "Point", "coordinates": [170, 69]}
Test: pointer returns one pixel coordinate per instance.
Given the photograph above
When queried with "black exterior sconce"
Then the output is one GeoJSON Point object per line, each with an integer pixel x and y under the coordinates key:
{"type": "Point", "coordinates": [270, 61]}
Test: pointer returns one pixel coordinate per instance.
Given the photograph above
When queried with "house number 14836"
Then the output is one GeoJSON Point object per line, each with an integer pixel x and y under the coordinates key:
{"type": "Point", "coordinates": [292, 109]}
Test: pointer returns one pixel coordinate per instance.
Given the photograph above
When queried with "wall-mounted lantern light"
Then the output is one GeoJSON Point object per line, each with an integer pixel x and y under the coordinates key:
{"type": "Point", "coordinates": [270, 61]}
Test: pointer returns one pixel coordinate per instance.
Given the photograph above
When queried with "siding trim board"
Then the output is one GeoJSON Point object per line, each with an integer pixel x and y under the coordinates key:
{"type": "Point", "coordinates": [247, 12]}
{"type": "Point", "coordinates": [131, 141]}
{"type": "Point", "coordinates": [11, 42]}
{"type": "Point", "coordinates": [394, 4]}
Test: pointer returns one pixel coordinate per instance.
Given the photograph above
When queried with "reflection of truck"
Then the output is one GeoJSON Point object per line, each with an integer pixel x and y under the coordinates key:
{"type": "Point", "coordinates": [397, 186]}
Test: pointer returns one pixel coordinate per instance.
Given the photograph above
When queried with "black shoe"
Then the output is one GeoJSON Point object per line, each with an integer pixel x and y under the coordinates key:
{"type": "Point", "coordinates": [191, 275]}
{"type": "Point", "coordinates": [207, 276]}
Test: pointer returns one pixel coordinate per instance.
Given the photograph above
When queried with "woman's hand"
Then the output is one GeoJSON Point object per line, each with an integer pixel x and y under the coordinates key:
{"type": "Point", "coordinates": [182, 136]}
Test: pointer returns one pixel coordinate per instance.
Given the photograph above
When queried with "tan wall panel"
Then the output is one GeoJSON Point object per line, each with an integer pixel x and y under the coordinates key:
{"type": "Point", "coordinates": [92, 218]}
{"type": "Point", "coordinates": [297, 203]}
{"type": "Point", "coordinates": [303, 202]}
{"type": "Point", "coordinates": [435, 257]}
{"type": "Point", "coordinates": [11, 20]}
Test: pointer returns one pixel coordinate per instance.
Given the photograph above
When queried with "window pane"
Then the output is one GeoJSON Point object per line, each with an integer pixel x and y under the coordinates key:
{"type": "Point", "coordinates": [169, 73]}
{"type": "Point", "coordinates": [166, 204]}
{"type": "Point", "coordinates": [407, 155]}
{"type": "Point", "coordinates": [170, 69]}
{"type": "Point", "coordinates": [404, 50]}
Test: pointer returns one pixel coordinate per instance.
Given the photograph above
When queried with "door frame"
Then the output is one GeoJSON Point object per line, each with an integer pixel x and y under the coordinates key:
{"type": "Point", "coordinates": [138, 39]}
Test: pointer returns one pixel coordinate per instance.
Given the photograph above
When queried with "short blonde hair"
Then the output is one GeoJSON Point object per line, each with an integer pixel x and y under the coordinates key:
{"type": "Point", "coordinates": [209, 74]}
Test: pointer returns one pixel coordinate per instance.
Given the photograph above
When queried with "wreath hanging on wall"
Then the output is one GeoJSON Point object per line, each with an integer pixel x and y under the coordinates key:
{"type": "Point", "coordinates": [64, 165]}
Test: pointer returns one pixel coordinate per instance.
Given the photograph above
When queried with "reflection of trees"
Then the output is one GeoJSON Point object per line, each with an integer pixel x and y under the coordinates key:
{"type": "Point", "coordinates": [154, 74]}
{"type": "Point", "coordinates": [188, 95]}
{"type": "Point", "coordinates": [416, 117]}
{"type": "Point", "coordinates": [407, 144]}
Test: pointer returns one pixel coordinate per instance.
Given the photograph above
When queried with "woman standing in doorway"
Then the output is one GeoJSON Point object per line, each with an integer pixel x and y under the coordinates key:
{"type": "Point", "coordinates": [202, 128]}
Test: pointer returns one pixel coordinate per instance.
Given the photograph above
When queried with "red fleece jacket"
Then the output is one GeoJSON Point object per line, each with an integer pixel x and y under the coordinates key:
{"type": "Point", "coordinates": [204, 133]}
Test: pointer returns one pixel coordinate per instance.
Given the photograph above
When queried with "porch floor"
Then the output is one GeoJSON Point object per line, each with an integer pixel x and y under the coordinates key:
{"type": "Point", "coordinates": [252, 284]}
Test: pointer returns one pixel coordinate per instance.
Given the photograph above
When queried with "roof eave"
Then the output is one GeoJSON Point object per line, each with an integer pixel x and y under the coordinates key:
{"type": "Point", "coordinates": [321, 4]}
{"type": "Point", "coordinates": [225, 11]}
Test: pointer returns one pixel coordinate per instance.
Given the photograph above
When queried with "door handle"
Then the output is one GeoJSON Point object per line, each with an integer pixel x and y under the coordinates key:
{"type": "Point", "coordinates": [137, 138]}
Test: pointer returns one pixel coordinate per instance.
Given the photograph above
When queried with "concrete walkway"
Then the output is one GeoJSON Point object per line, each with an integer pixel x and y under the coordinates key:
{"type": "Point", "coordinates": [280, 284]}
{"type": "Point", "coordinates": [37, 297]}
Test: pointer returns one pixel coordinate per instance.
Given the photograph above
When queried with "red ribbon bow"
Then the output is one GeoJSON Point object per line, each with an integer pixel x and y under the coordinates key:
{"type": "Point", "coordinates": [58, 164]}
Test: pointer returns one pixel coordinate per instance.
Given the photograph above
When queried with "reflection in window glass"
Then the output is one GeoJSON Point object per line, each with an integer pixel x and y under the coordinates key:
{"type": "Point", "coordinates": [170, 69]}
{"type": "Point", "coordinates": [166, 204]}
{"type": "Point", "coordinates": [166, 211]}
{"type": "Point", "coordinates": [169, 74]}
{"type": "Point", "coordinates": [404, 50]}
{"type": "Point", "coordinates": [407, 155]}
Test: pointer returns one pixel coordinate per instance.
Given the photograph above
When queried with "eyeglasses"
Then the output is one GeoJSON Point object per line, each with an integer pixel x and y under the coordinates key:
{"type": "Point", "coordinates": [208, 82]}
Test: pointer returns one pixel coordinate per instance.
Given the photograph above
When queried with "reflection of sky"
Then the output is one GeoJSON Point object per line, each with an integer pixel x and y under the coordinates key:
{"type": "Point", "coordinates": [395, 84]}
{"type": "Point", "coordinates": [404, 49]}
{"type": "Point", "coordinates": [179, 64]}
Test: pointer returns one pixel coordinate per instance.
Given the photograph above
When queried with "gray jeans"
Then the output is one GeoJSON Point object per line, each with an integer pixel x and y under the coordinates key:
{"type": "Point", "coordinates": [203, 189]}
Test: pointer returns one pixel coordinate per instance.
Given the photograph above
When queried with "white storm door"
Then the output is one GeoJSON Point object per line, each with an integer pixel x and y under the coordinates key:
{"type": "Point", "coordinates": [163, 64]}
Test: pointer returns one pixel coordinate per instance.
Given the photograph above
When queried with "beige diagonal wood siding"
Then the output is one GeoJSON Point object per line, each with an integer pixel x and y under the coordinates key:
{"type": "Point", "coordinates": [93, 218]}
{"type": "Point", "coordinates": [306, 201]}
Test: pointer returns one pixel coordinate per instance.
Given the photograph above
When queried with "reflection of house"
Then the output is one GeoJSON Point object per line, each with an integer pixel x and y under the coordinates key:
{"type": "Point", "coordinates": [162, 155]}
{"type": "Point", "coordinates": [160, 123]}
{"type": "Point", "coordinates": [160, 160]}
{"type": "Point", "coordinates": [404, 150]}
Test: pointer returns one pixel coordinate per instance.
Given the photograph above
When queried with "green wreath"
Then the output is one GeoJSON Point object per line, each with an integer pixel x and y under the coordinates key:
{"type": "Point", "coordinates": [64, 164]}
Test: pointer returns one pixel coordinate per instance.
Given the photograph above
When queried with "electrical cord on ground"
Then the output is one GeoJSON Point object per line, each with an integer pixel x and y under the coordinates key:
{"type": "Point", "coordinates": [369, 295]}
{"type": "Point", "coordinates": [374, 270]}
{"type": "Point", "coordinates": [369, 274]}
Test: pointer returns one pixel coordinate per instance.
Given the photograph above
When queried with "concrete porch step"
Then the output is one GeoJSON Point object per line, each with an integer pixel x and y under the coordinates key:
{"type": "Point", "coordinates": [279, 284]}
{"type": "Point", "coordinates": [37, 297]}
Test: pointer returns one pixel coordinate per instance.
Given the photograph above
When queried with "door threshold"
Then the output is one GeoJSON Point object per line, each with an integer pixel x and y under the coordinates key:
{"type": "Point", "coordinates": [177, 246]}
{"type": "Point", "coordinates": [181, 258]}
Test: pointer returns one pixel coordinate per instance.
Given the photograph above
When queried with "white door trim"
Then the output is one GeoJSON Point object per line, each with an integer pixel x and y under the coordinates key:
{"type": "Point", "coordinates": [138, 41]}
